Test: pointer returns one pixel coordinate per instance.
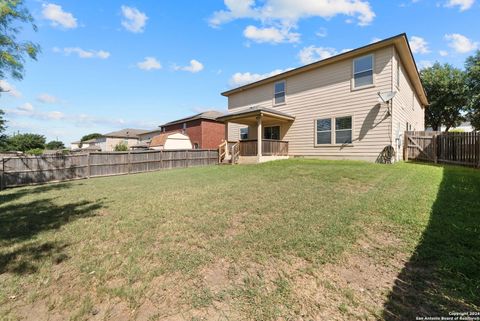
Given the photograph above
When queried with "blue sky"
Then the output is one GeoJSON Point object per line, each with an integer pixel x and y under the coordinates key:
{"type": "Point", "coordinates": [107, 65]}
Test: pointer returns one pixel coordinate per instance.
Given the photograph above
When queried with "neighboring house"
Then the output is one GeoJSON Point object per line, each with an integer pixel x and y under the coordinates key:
{"type": "Point", "coordinates": [463, 127]}
{"type": "Point", "coordinates": [79, 145]}
{"type": "Point", "coordinates": [75, 145]}
{"type": "Point", "coordinates": [128, 136]}
{"type": "Point", "coordinates": [204, 130]}
{"type": "Point", "coordinates": [169, 141]}
{"type": "Point", "coordinates": [331, 109]}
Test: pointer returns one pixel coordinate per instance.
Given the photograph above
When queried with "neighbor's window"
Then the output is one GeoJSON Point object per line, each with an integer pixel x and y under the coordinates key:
{"type": "Point", "coordinates": [244, 133]}
{"type": "Point", "coordinates": [363, 71]}
{"type": "Point", "coordinates": [343, 130]}
{"type": "Point", "coordinates": [279, 95]}
{"type": "Point", "coordinates": [324, 131]}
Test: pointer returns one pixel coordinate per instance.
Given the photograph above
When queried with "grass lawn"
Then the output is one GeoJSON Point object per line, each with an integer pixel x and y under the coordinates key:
{"type": "Point", "coordinates": [287, 240]}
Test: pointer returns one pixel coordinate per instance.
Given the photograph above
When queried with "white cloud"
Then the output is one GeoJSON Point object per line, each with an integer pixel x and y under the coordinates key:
{"type": "Point", "coordinates": [375, 39]}
{"type": "Point", "coordinates": [462, 4]}
{"type": "Point", "coordinates": [9, 89]}
{"type": "Point", "coordinates": [26, 107]}
{"type": "Point", "coordinates": [58, 17]}
{"type": "Point", "coordinates": [48, 99]}
{"type": "Point", "coordinates": [134, 20]}
{"type": "Point", "coordinates": [27, 110]}
{"type": "Point", "coordinates": [311, 54]}
{"type": "Point", "coordinates": [322, 33]}
{"type": "Point", "coordinates": [443, 53]}
{"type": "Point", "coordinates": [194, 67]}
{"type": "Point", "coordinates": [81, 53]}
{"type": "Point", "coordinates": [240, 79]}
{"type": "Point", "coordinates": [270, 35]}
{"type": "Point", "coordinates": [460, 43]}
{"type": "Point", "coordinates": [150, 63]}
{"type": "Point", "coordinates": [289, 12]}
{"type": "Point", "coordinates": [419, 45]}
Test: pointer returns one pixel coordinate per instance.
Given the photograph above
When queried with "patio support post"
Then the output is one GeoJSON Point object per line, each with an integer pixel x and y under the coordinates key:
{"type": "Point", "coordinates": [226, 139]}
{"type": "Point", "coordinates": [259, 137]}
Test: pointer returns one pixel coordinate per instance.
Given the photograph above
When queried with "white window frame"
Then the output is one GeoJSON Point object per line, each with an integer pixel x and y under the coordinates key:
{"type": "Point", "coordinates": [240, 133]}
{"type": "Point", "coordinates": [284, 93]}
{"type": "Point", "coordinates": [352, 83]}
{"type": "Point", "coordinates": [333, 138]}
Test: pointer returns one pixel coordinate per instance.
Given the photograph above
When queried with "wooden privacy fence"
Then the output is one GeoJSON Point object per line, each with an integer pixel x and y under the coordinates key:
{"type": "Point", "coordinates": [439, 147]}
{"type": "Point", "coordinates": [19, 171]}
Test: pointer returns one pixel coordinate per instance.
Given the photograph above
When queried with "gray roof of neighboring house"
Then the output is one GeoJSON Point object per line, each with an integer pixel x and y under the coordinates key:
{"type": "Point", "coordinates": [126, 133]}
{"type": "Point", "coordinates": [210, 115]}
{"type": "Point", "coordinates": [157, 130]}
{"type": "Point", "coordinates": [93, 140]}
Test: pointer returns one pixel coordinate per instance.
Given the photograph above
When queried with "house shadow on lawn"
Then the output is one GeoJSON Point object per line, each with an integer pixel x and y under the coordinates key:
{"type": "Point", "coordinates": [443, 274]}
{"type": "Point", "coordinates": [20, 224]}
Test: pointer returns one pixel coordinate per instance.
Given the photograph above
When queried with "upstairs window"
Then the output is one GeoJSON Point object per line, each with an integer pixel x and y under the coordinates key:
{"type": "Point", "coordinates": [363, 71]}
{"type": "Point", "coordinates": [244, 133]}
{"type": "Point", "coordinates": [279, 95]}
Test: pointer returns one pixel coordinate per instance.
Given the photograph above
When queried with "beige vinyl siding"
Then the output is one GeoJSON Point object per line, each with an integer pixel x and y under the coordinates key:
{"type": "Point", "coordinates": [108, 144]}
{"type": "Point", "coordinates": [406, 105]}
{"type": "Point", "coordinates": [327, 92]}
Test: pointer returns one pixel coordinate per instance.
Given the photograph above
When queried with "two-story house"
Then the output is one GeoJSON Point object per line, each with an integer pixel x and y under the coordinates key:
{"type": "Point", "coordinates": [204, 130]}
{"type": "Point", "coordinates": [355, 105]}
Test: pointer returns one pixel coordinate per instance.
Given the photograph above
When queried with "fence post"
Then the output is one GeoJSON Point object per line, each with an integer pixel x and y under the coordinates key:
{"type": "Point", "coordinates": [187, 160]}
{"type": "Point", "coordinates": [88, 166]}
{"type": "Point", "coordinates": [435, 157]}
{"type": "Point", "coordinates": [129, 163]}
{"type": "Point", "coordinates": [477, 136]}
{"type": "Point", "coordinates": [405, 147]}
{"type": "Point", "coordinates": [2, 176]}
{"type": "Point", "coordinates": [161, 159]}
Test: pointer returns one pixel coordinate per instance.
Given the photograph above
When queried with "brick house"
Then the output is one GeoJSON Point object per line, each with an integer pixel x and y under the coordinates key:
{"type": "Point", "coordinates": [204, 130]}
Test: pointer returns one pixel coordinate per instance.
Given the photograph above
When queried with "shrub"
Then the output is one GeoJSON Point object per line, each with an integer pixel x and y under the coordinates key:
{"type": "Point", "coordinates": [121, 147]}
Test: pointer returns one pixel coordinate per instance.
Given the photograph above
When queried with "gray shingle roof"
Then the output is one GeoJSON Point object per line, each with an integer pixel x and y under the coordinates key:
{"type": "Point", "coordinates": [210, 114]}
{"type": "Point", "coordinates": [126, 133]}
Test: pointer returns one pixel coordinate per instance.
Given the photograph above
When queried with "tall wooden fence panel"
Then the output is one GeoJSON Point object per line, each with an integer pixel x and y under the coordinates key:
{"type": "Point", "coordinates": [19, 171]}
{"type": "Point", "coordinates": [438, 147]}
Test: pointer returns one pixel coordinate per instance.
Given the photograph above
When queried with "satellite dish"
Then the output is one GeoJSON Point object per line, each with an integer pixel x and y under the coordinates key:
{"type": "Point", "coordinates": [385, 97]}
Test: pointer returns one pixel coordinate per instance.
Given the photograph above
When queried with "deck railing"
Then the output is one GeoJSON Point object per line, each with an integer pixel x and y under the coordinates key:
{"type": "Point", "coordinates": [270, 147]}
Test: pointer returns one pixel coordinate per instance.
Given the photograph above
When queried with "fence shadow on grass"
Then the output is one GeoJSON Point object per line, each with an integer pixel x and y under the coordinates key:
{"type": "Point", "coordinates": [21, 223]}
{"type": "Point", "coordinates": [18, 193]}
{"type": "Point", "coordinates": [443, 274]}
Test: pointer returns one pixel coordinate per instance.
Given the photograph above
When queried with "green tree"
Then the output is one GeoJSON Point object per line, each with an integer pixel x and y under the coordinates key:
{"type": "Point", "coordinates": [54, 144]}
{"type": "Point", "coordinates": [447, 92]}
{"type": "Point", "coordinates": [13, 13]}
{"type": "Point", "coordinates": [25, 142]}
{"type": "Point", "coordinates": [89, 136]}
{"type": "Point", "coordinates": [472, 68]}
{"type": "Point", "coordinates": [121, 147]}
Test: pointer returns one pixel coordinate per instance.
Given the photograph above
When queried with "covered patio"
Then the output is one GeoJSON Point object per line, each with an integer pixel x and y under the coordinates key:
{"type": "Point", "coordinates": [264, 139]}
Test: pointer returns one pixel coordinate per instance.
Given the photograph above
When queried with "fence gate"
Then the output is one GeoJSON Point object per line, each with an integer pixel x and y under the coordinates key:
{"type": "Point", "coordinates": [439, 147]}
